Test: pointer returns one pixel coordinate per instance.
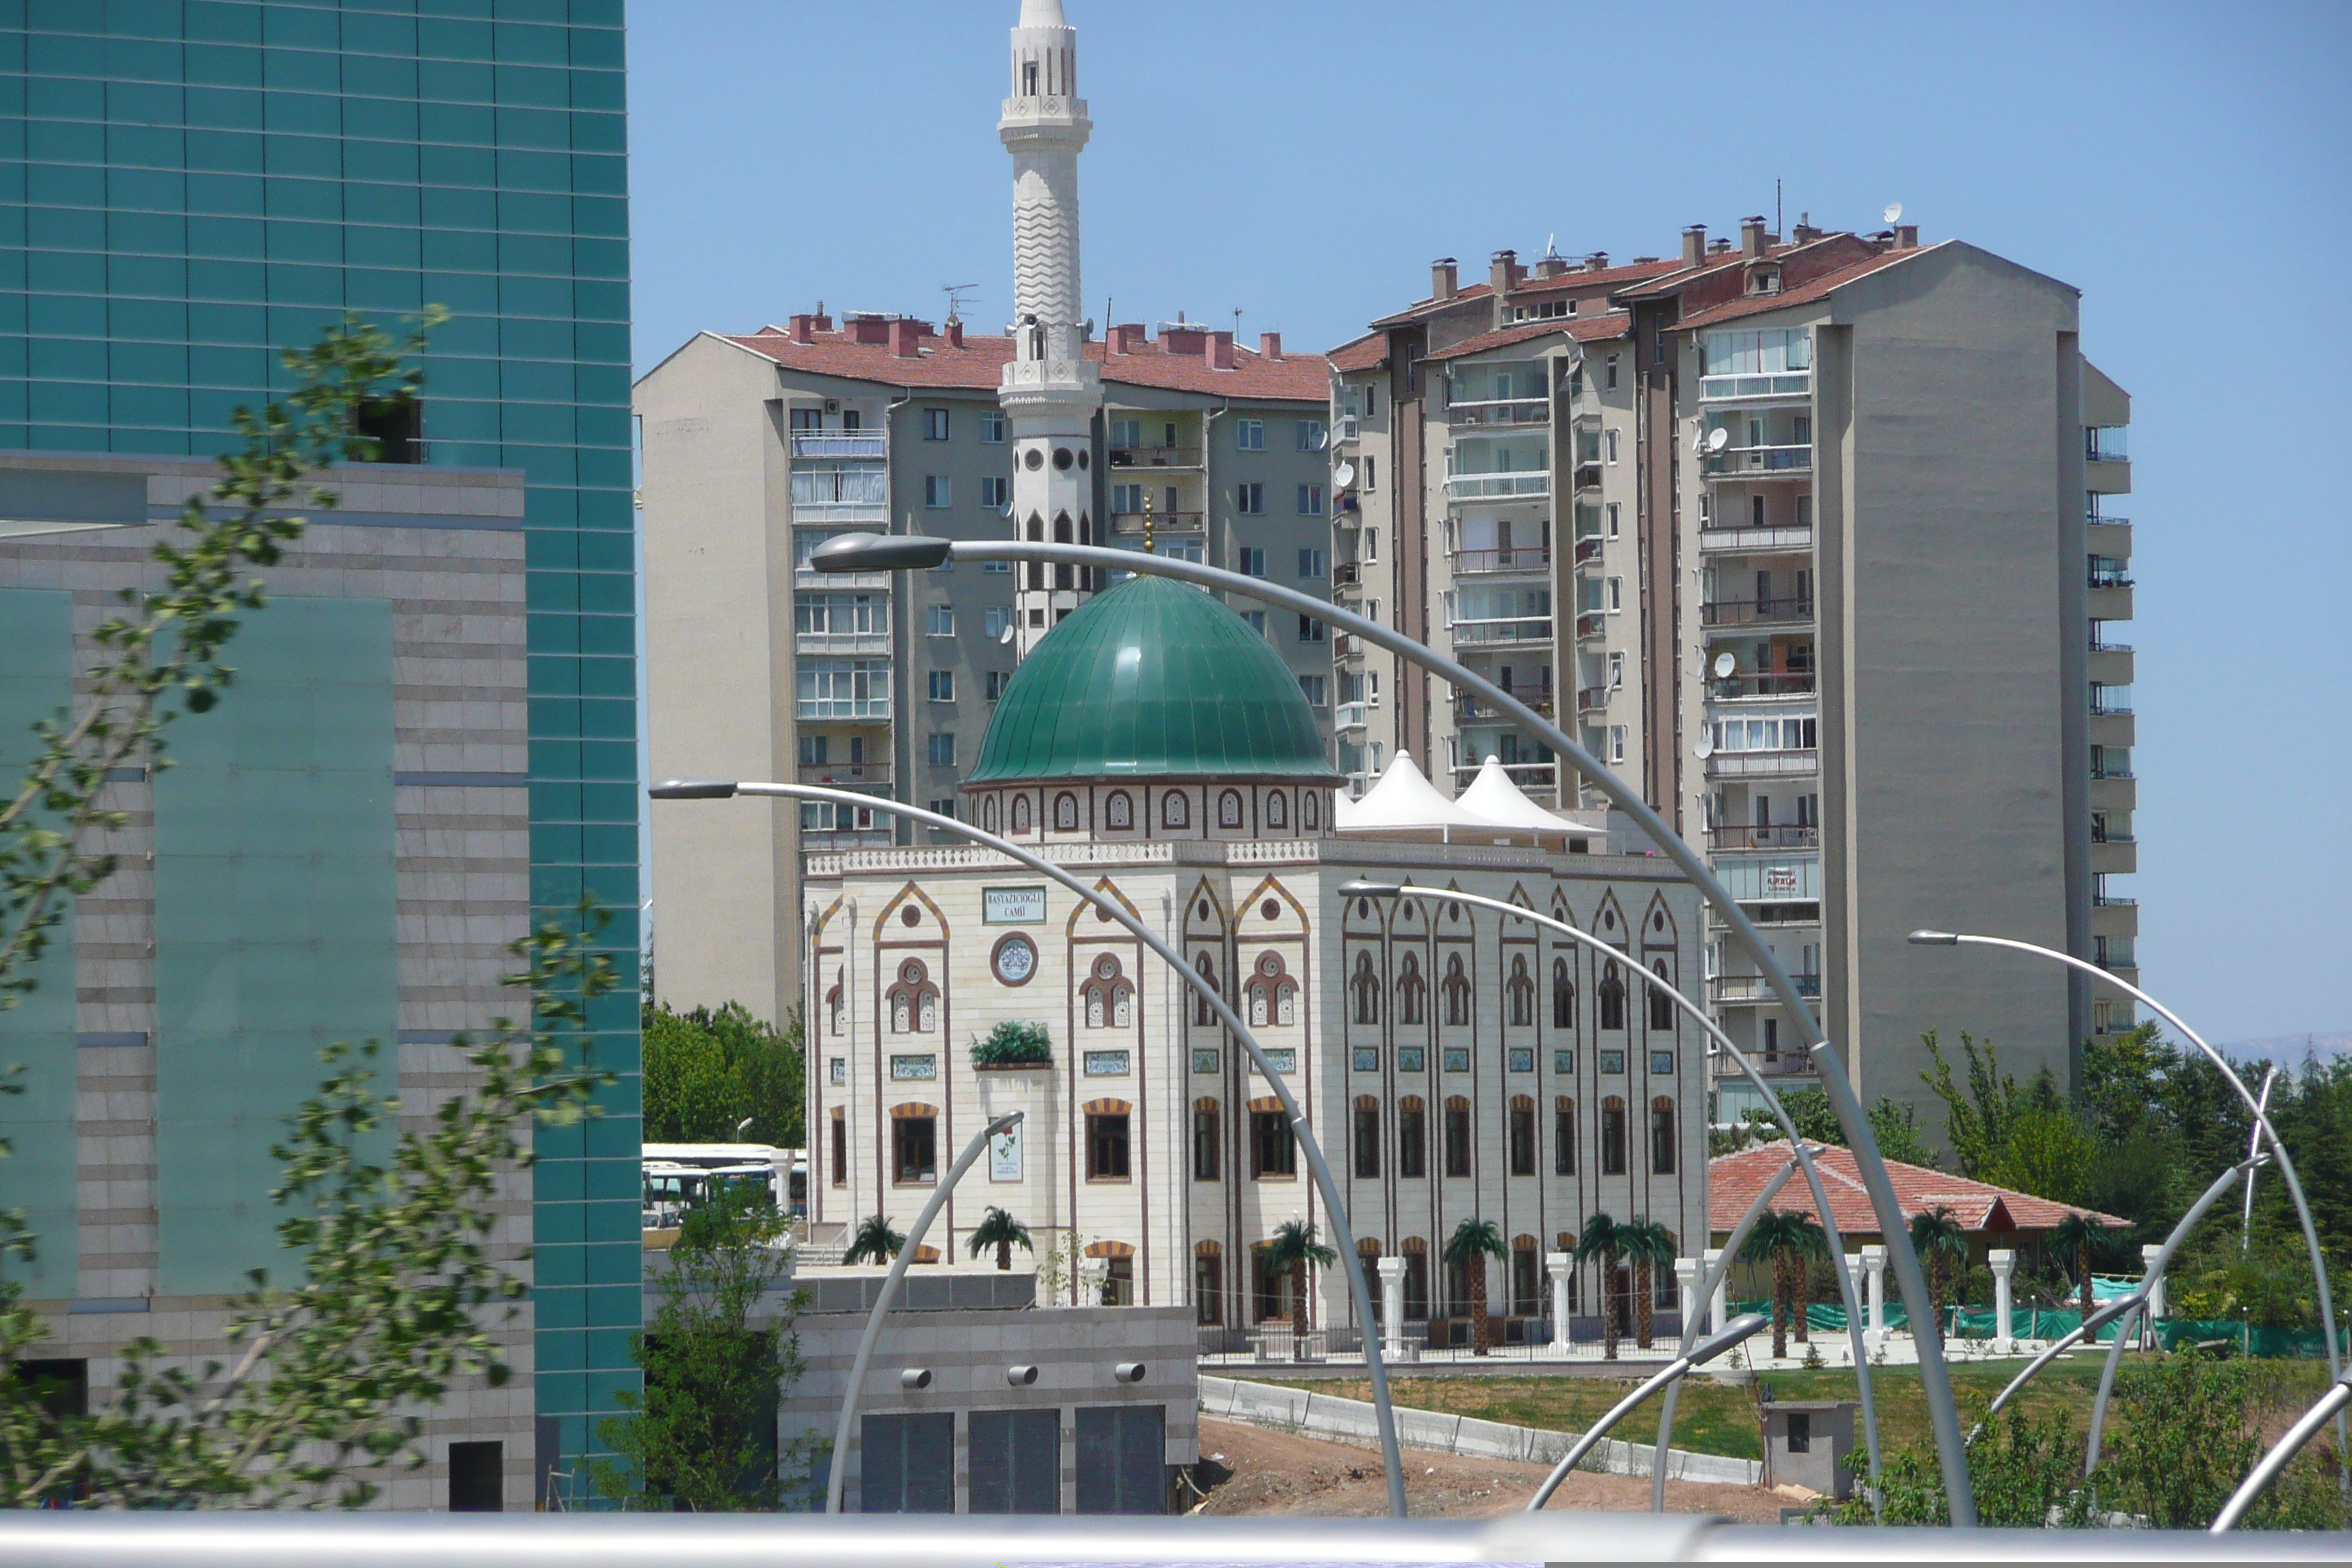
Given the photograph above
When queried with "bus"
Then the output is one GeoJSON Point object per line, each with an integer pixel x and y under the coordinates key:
{"type": "Point", "coordinates": [677, 1175]}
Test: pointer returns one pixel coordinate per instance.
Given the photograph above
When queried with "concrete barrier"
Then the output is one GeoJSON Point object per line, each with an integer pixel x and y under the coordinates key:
{"type": "Point", "coordinates": [1351, 1420]}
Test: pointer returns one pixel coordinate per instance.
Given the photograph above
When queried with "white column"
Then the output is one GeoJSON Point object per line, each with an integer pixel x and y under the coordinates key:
{"type": "Point", "coordinates": [1853, 1271]}
{"type": "Point", "coordinates": [2003, 1263]}
{"type": "Point", "coordinates": [1092, 1274]}
{"type": "Point", "coordinates": [1559, 1264]}
{"type": "Point", "coordinates": [2155, 1292]}
{"type": "Point", "coordinates": [1686, 1278]}
{"type": "Point", "coordinates": [1392, 1273]}
{"type": "Point", "coordinates": [1718, 1311]}
{"type": "Point", "coordinates": [1874, 1258]}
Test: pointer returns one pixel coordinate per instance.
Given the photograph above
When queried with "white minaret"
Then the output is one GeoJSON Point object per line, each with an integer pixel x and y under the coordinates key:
{"type": "Point", "coordinates": [1050, 393]}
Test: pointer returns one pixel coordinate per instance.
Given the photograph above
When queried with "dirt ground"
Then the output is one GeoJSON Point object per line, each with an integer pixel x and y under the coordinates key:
{"type": "Point", "coordinates": [1252, 1470]}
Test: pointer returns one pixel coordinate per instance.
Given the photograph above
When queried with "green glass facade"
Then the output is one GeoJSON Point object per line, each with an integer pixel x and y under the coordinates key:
{"type": "Point", "coordinates": [187, 187]}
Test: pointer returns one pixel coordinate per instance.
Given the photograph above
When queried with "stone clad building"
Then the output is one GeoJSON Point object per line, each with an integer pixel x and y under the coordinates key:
{"type": "Point", "coordinates": [1451, 1068]}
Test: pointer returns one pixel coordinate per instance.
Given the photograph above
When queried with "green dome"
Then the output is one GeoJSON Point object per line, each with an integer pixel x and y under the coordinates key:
{"type": "Point", "coordinates": [1152, 678]}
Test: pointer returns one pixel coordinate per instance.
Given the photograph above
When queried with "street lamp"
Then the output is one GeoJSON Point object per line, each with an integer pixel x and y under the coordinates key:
{"type": "Point", "coordinates": [1110, 909]}
{"type": "Point", "coordinates": [1802, 1154]}
{"type": "Point", "coordinates": [1714, 1345]}
{"type": "Point", "coordinates": [873, 551]}
{"type": "Point", "coordinates": [2255, 1105]}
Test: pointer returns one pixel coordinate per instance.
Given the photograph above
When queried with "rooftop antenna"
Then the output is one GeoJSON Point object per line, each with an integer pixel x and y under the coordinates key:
{"type": "Point", "coordinates": [1237, 325]}
{"type": "Point", "coordinates": [1894, 214]}
{"type": "Point", "coordinates": [1775, 206]}
{"type": "Point", "coordinates": [955, 293]}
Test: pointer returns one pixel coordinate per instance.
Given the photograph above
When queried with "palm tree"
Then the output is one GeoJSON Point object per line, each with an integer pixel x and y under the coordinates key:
{"type": "Point", "coordinates": [2076, 1234]}
{"type": "Point", "coordinates": [1003, 1232]}
{"type": "Point", "coordinates": [1783, 1237]}
{"type": "Point", "coordinates": [1473, 1242]}
{"type": "Point", "coordinates": [1293, 1246]}
{"type": "Point", "coordinates": [1648, 1248]}
{"type": "Point", "coordinates": [1603, 1238]}
{"type": "Point", "coordinates": [1940, 1243]}
{"type": "Point", "coordinates": [874, 1241]}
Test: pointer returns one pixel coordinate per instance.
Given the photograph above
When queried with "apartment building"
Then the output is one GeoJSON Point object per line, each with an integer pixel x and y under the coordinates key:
{"type": "Point", "coordinates": [759, 446]}
{"type": "Point", "coordinates": [1838, 593]}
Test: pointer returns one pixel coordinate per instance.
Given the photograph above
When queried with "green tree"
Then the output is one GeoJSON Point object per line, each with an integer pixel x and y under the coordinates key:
{"type": "Point", "coordinates": [1648, 1247]}
{"type": "Point", "coordinates": [1292, 1248]}
{"type": "Point", "coordinates": [874, 1241]}
{"type": "Point", "coordinates": [1895, 1125]}
{"type": "Point", "coordinates": [2078, 1236]}
{"type": "Point", "coordinates": [1604, 1238]}
{"type": "Point", "coordinates": [1892, 1123]}
{"type": "Point", "coordinates": [1002, 1231]}
{"type": "Point", "coordinates": [702, 1437]}
{"type": "Point", "coordinates": [1473, 1242]}
{"type": "Point", "coordinates": [2049, 1154]}
{"type": "Point", "coordinates": [397, 1274]}
{"type": "Point", "coordinates": [1785, 1238]}
{"type": "Point", "coordinates": [1943, 1247]}
{"type": "Point", "coordinates": [710, 1072]}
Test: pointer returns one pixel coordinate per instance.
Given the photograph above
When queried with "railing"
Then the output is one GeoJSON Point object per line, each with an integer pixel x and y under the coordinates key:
{"type": "Point", "coordinates": [1588, 552]}
{"type": "Point", "coordinates": [1131, 522]}
{"type": "Point", "coordinates": [1592, 699]}
{"type": "Point", "coordinates": [1754, 612]}
{"type": "Point", "coordinates": [1784, 383]}
{"type": "Point", "coordinates": [2111, 647]}
{"type": "Point", "coordinates": [2111, 577]}
{"type": "Point", "coordinates": [1767, 683]}
{"type": "Point", "coordinates": [2108, 701]}
{"type": "Point", "coordinates": [1760, 459]}
{"type": "Point", "coordinates": [1748, 540]}
{"type": "Point", "coordinates": [1488, 634]}
{"type": "Point", "coordinates": [840, 707]}
{"type": "Point", "coordinates": [1344, 646]}
{"type": "Point", "coordinates": [1469, 709]}
{"type": "Point", "coordinates": [1780, 835]}
{"type": "Point", "coordinates": [1155, 456]}
{"type": "Point", "coordinates": [835, 512]}
{"type": "Point", "coordinates": [1522, 558]}
{"type": "Point", "coordinates": [843, 773]}
{"type": "Point", "coordinates": [1346, 427]}
{"type": "Point", "coordinates": [842, 642]}
{"type": "Point", "coordinates": [1755, 987]}
{"type": "Point", "coordinates": [1514, 415]}
{"type": "Point", "coordinates": [1587, 476]}
{"type": "Point", "coordinates": [2105, 444]}
{"type": "Point", "coordinates": [1349, 715]}
{"type": "Point", "coordinates": [1763, 764]}
{"type": "Point", "coordinates": [1346, 574]}
{"type": "Point", "coordinates": [2113, 901]}
{"type": "Point", "coordinates": [2107, 521]}
{"type": "Point", "coordinates": [2113, 773]}
{"type": "Point", "coordinates": [1591, 624]}
{"type": "Point", "coordinates": [1542, 774]}
{"type": "Point", "coordinates": [841, 444]}
{"type": "Point", "coordinates": [1536, 482]}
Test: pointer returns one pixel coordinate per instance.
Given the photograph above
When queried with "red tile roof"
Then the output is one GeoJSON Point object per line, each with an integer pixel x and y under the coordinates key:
{"type": "Point", "coordinates": [1582, 328]}
{"type": "Point", "coordinates": [978, 364]}
{"type": "Point", "coordinates": [1607, 277]}
{"type": "Point", "coordinates": [1800, 294]}
{"type": "Point", "coordinates": [1430, 307]}
{"type": "Point", "coordinates": [1368, 352]}
{"type": "Point", "coordinates": [1733, 1182]}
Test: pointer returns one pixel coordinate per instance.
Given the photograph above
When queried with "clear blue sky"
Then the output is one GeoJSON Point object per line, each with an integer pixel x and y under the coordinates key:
{"type": "Point", "coordinates": [2185, 167]}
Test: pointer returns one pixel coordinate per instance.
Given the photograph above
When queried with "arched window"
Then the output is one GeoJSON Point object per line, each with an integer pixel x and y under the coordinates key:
{"type": "Point", "coordinates": [1365, 986]}
{"type": "Point", "coordinates": [1037, 523]}
{"type": "Point", "coordinates": [1229, 809]}
{"type": "Point", "coordinates": [1662, 1007]}
{"type": "Point", "coordinates": [1612, 997]}
{"type": "Point", "coordinates": [1457, 991]}
{"type": "Point", "coordinates": [1203, 1013]}
{"type": "Point", "coordinates": [1563, 996]}
{"type": "Point", "coordinates": [1119, 812]}
{"type": "Point", "coordinates": [1662, 1136]}
{"type": "Point", "coordinates": [914, 1001]}
{"type": "Point", "coordinates": [1416, 1279]}
{"type": "Point", "coordinates": [1173, 810]}
{"type": "Point", "coordinates": [834, 1000]}
{"type": "Point", "coordinates": [1277, 815]}
{"type": "Point", "coordinates": [1563, 1136]}
{"type": "Point", "coordinates": [990, 820]}
{"type": "Point", "coordinates": [1413, 1137]}
{"type": "Point", "coordinates": [1521, 1135]}
{"type": "Point", "coordinates": [1107, 998]}
{"type": "Point", "coordinates": [1310, 812]}
{"type": "Point", "coordinates": [1612, 1137]}
{"type": "Point", "coordinates": [1413, 991]}
{"type": "Point", "coordinates": [1273, 995]}
{"type": "Point", "coordinates": [1020, 814]}
{"type": "Point", "coordinates": [1065, 813]}
{"type": "Point", "coordinates": [1521, 991]}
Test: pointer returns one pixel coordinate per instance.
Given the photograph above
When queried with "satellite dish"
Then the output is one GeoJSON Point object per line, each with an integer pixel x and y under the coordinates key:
{"type": "Point", "coordinates": [1723, 665]}
{"type": "Point", "coordinates": [1006, 635]}
{"type": "Point", "coordinates": [1718, 439]}
{"type": "Point", "coordinates": [1894, 214]}
{"type": "Point", "coordinates": [1344, 476]}
{"type": "Point", "coordinates": [1698, 438]}
{"type": "Point", "coordinates": [1704, 747]}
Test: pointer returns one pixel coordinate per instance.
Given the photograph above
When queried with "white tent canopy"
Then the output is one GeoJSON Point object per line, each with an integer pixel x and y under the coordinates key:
{"type": "Point", "coordinates": [1404, 801]}
{"type": "Point", "coordinates": [1493, 796]}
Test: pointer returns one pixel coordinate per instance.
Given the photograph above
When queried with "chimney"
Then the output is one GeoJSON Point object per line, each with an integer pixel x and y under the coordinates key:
{"type": "Point", "coordinates": [1695, 245]}
{"type": "Point", "coordinates": [1444, 279]}
{"type": "Point", "coordinates": [1551, 265]}
{"type": "Point", "coordinates": [1218, 352]}
{"type": "Point", "coordinates": [1597, 262]}
{"type": "Point", "coordinates": [906, 339]}
{"type": "Point", "coordinates": [1269, 345]}
{"type": "Point", "coordinates": [1906, 236]}
{"type": "Point", "coordinates": [804, 329]}
{"type": "Point", "coordinates": [869, 329]}
{"type": "Point", "coordinates": [955, 333]}
{"type": "Point", "coordinates": [1751, 237]}
{"type": "Point", "coordinates": [1805, 234]}
{"type": "Point", "coordinates": [1503, 271]}
{"type": "Point", "coordinates": [1182, 338]}
{"type": "Point", "coordinates": [1720, 247]}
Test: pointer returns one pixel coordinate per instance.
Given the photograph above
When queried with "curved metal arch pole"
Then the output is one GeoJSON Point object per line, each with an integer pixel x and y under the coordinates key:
{"type": "Point", "coordinates": [2254, 1143]}
{"type": "Point", "coordinates": [1798, 1148]}
{"type": "Point", "coordinates": [1734, 1331]}
{"type": "Point", "coordinates": [2140, 1298]}
{"type": "Point", "coordinates": [1111, 907]}
{"type": "Point", "coordinates": [2331, 1404]}
{"type": "Point", "coordinates": [841, 1426]}
{"type": "Point", "coordinates": [1722, 1265]}
{"type": "Point", "coordinates": [867, 552]}
{"type": "Point", "coordinates": [2262, 1122]}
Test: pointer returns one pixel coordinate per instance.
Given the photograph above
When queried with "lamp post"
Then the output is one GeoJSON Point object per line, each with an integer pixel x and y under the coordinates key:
{"type": "Point", "coordinates": [873, 551]}
{"type": "Point", "coordinates": [847, 1422]}
{"type": "Point", "coordinates": [1110, 909]}
{"type": "Point", "coordinates": [1738, 1329]}
{"type": "Point", "coordinates": [2255, 1104]}
{"type": "Point", "coordinates": [1799, 1151]}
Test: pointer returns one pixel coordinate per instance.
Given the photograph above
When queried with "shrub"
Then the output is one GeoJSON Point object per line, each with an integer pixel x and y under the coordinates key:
{"type": "Point", "coordinates": [1014, 1043]}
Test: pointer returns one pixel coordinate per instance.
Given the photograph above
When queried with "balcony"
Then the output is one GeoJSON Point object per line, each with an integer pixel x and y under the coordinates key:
{"type": "Point", "coordinates": [1587, 476]}
{"type": "Point", "coordinates": [2110, 575]}
{"type": "Point", "coordinates": [1763, 764]}
{"type": "Point", "coordinates": [1737, 988]}
{"type": "Point", "coordinates": [842, 642]}
{"type": "Point", "coordinates": [1770, 683]}
{"type": "Point", "coordinates": [1499, 632]}
{"type": "Point", "coordinates": [1588, 552]}
{"type": "Point", "coordinates": [1756, 611]}
{"type": "Point", "coordinates": [1742, 388]}
{"type": "Point", "coordinates": [1748, 540]}
{"type": "Point", "coordinates": [1350, 716]}
{"type": "Point", "coordinates": [1592, 699]}
{"type": "Point", "coordinates": [846, 775]}
{"type": "Point", "coordinates": [1591, 624]}
{"type": "Point", "coordinates": [1346, 574]}
{"type": "Point", "coordinates": [1527, 775]}
{"type": "Point", "coordinates": [841, 444]}
{"type": "Point", "coordinates": [1748, 462]}
{"type": "Point", "coordinates": [1468, 709]}
{"type": "Point", "coordinates": [1344, 645]}
{"type": "Point", "coordinates": [2110, 700]}
{"type": "Point", "coordinates": [1155, 456]}
{"type": "Point", "coordinates": [1346, 427]}
{"type": "Point", "coordinates": [1515, 414]}
{"type": "Point", "coordinates": [1525, 560]}
{"type": "Point", "coordinates": [1533, 484]}
{"type": "Point", "coordinates": [1131, 523]}
{"type": "Point", "coordinates": [844, 709]}
{"type": "Point", "coordinates": [1781, 836]}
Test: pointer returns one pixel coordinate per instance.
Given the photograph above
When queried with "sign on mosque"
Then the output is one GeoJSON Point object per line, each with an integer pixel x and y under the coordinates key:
{"type": "Point", "coordinates": [1012, 905]}
{"type": "Point", "coordinates": [1005, 1155]}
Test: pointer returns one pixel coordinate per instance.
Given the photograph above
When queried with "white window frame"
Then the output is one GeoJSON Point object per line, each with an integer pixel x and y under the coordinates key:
{"type": "Point", "coordinates": [938, 492]}
{"type": "Point", "coordinates": [1249, 435]}
{"type": "Point", "coordinates": [941, 621]}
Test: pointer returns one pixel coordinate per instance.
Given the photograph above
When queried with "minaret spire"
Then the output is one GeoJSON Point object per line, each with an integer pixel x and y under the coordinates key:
{"type": "Point", "coordinates": [1050, 393]}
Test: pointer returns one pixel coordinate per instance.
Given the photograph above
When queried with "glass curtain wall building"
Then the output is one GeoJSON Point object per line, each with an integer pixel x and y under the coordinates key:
{"type": "Point", "coordinates": [188, 186]}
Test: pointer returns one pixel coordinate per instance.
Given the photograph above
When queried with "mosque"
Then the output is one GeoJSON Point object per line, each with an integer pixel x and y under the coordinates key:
{"type": "Point", "coordinates": [1455, 1064]}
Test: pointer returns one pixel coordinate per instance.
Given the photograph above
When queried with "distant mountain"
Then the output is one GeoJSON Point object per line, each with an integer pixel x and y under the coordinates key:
{"type": "Point", "coordinates": [2288, 1050]}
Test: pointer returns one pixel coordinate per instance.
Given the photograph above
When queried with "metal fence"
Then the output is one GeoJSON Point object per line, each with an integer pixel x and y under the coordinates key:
{"type": "Point", "coordinates": [1435, 1339]}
